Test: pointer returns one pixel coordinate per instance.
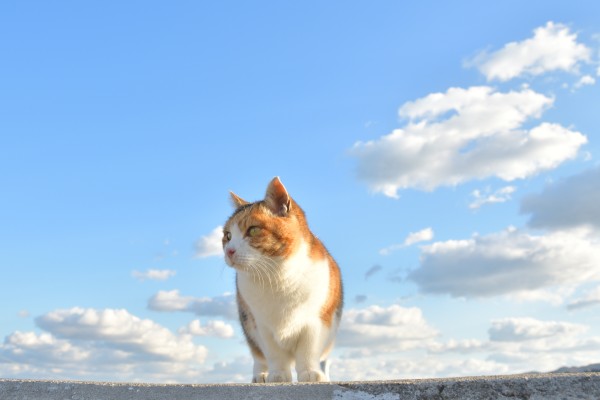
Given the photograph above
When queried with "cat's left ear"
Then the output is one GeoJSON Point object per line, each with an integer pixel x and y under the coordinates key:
{"type": "Point", "coordinates": [277, 198]}
{"type": "Point", "coordinates": [237, 201]}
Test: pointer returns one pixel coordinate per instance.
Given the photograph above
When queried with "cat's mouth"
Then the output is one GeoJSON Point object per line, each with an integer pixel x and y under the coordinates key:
{"type": "Point", "coordinates": [235, 262]}
{"type": "Point", "coordinates": [239, 267]}
{"type": "Point", "coordinates": [262, 266]}
{"type": "Point", "coordinates": [229, 260]}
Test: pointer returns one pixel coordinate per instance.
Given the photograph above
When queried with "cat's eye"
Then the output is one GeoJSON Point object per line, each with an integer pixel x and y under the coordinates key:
{"type": "Point", "coordinates": [227, 236]}
{"type": "Point", "coordinates": [253, 231]}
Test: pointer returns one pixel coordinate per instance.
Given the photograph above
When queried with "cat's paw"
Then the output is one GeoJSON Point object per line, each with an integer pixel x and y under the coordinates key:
{"type": "Point", "coordinates": [260, 378]}
{"type": "Point", "coordinates": [279, 376]}
{"type": "Point", "coordinates": [312, 376]}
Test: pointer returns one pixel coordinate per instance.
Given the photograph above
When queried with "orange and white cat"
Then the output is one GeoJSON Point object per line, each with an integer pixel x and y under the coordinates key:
{"type": "Point", "coordinates": [289, 288]}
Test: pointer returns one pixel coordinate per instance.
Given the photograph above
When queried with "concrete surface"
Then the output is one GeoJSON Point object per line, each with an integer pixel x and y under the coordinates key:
{"type": "Point", "coordinates": [531, 387]}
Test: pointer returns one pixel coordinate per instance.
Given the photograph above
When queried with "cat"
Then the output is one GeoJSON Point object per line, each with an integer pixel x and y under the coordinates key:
{"type": "Point", "coordinates": [289, 288]}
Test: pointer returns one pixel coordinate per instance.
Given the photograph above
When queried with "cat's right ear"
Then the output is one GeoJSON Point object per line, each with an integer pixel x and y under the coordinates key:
{"type": "Point", "coordinates": [237, 201]}
{"type": "Point", "coordinates": [277, 198]}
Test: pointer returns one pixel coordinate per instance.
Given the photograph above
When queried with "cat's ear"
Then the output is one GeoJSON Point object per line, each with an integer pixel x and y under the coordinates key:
{"type": "Point", "coordinates": [237, 201]}
{"type": "Point", "coordinates": [277, 198]}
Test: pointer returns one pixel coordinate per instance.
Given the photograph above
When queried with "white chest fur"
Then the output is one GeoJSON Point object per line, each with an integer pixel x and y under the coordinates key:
{"type": "Point", "coordinates": [290, 301]}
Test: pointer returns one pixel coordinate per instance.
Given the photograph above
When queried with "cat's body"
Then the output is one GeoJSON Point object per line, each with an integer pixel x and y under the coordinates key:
{"type": "Point", "coordinates": [289, 288]}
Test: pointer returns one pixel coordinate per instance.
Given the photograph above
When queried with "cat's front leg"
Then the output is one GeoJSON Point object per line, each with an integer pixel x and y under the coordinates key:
{"type": "Point", "coordinates": [279, 361]}
{"type": "Point", "coordinates": [279, 369]}
{"type": "Point", "coordinates": [260, 371]}
{"type": "Point", "coordinates": [308, 355]}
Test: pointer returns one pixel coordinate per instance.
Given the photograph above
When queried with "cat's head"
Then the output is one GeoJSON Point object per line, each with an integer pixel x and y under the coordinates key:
{"type": "Point", "coordinates": [266, 231]}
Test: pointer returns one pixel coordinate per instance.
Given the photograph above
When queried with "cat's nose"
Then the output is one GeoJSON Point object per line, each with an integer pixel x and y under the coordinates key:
{"type": "Point", "coordinates": [230, 252]}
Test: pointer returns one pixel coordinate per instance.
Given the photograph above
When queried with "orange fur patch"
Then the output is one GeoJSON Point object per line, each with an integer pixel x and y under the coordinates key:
{"type": "Point", "coordinates": [335, 299]}
{"type": "Point", "coordinates": [277, 236]}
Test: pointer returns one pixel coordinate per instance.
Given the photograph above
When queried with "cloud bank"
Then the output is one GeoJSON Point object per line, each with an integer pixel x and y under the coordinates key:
{"type": "Point", "coordinates": [101, 343]}
{"type": "Point", "coordinates": [509, 262]}
{"type": "Point", "coordinates": [394, 327]}
{"type": "Point", "coordinates": [463, 135]}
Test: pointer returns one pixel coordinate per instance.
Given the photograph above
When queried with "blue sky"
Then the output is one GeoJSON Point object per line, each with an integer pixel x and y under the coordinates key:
{"type": "Point", "coordinates": [446, 154]}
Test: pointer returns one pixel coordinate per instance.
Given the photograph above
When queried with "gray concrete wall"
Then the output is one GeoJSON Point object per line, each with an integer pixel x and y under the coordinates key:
{"type": "Point", "coordinates": [531, 387]}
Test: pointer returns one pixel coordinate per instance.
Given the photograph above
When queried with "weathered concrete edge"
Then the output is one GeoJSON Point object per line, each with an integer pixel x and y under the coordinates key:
{"type": "Point", "coordinates": [534, 386]}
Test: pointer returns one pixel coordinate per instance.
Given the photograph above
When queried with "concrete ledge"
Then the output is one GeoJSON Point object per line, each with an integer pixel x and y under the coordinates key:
{"type": "Point", "coordinates": [531, 387]}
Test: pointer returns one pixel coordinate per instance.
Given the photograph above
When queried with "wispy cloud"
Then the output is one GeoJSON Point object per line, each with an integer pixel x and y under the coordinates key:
{"type": "Point", "coordinates": [423, 235]}
{"type": "Point", "coordinates": [211, 328]}
{"type": "Point", "coordinates": [552, 47]}
{"type": "Point", "coordinates": [586, 80]}
{"type": "Point", "coordinates": [210, 245]}
{"type": "Point", "coordinates": [153, 274]}
{"type": "Point", "coordinates": [372, 271]}
{"type": "Point", "coordinates": [360, 298]}
{"type": "Point", "coordinates": [524, 329]}
{"type": "Point", "coordinates": [589, 299]}
{"type": "Point", "coordinates": [172, 300]}
{"type": "Point", "coordinates": [481, 198]}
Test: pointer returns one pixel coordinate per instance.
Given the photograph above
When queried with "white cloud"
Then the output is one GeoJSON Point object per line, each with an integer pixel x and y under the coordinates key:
{"type": "Point", "coordinates": [101, 344]}
{"type": "Point", "coordinates": [552, 47]}
{"type": "Point", "coordinates": [527, 344]}
{"type": "Point", "coordinates": [568, 203]}
{"type": "Point", "coordinates": [223, 306]}
{"type": "Point", "coordinates": [120, 330]}
{"type": "Point", "coordinates": [21, 347]}
{"type": "Point", "coordinates": [212, 328]}
{"type": "Point", "coordinates": [524, 329]}
{"type": "Point", "coordinates": [424, 235]}
{"type": "Point", "coordinates": [153, 274]}
{"type": "Point", "coordinates": [590, 299]}
{"type": "Point", "coordinates": [509, 262]}
{"type": "Point", "coordinates": [410, 366]}
{"type": "Point", "coordinates": [585, 80]}
{"type": "Point", "coordinates": [501, 195]}
{"type": "Point", "coordinates": [239, 370]}
{"type": "Point", "coordinates": [515, 345]}
{"type": "Point", "coordinates": [553, 295]}
{"type": "Point", "coordinates": [210, 245]}
{"type": "Point", "coordinates": [463, 135]}
{"type": "Point", "coordinates": [467, 346]}
{"type": "Point", "coordinates": [392, 328]}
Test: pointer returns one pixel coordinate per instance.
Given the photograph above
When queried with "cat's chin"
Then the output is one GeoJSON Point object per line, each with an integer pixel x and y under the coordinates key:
{"type": "Point", "coordinates": [237, 267]}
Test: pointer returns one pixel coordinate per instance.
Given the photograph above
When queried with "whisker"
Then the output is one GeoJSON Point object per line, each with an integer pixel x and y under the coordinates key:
{"type": "Point", "coordinates": [264, 271]}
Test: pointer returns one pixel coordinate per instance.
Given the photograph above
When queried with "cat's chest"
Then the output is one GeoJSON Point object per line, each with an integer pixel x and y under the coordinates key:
{"type": "Point", "coordinates": [295, 293]}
